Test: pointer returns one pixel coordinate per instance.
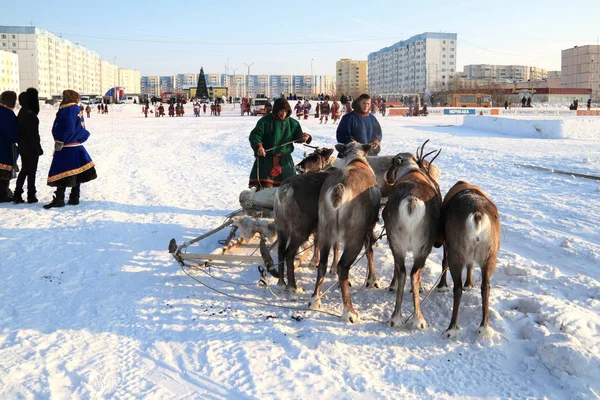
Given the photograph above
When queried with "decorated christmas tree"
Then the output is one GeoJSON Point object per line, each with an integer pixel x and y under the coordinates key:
{"type": "Point", "coordinates": [201, 90]}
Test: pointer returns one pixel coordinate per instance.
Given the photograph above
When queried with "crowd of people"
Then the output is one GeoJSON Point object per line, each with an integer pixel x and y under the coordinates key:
{"type": "Point", "coordinates": [20, 138]}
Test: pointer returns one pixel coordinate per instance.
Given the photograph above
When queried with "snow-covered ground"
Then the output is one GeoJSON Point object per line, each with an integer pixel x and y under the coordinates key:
{"type": "Point", "coordinates": [93, 306]}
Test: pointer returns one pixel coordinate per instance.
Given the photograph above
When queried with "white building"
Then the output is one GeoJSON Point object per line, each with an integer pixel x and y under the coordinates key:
{"type": "Point", "coordinates": [9, 72]}
{"type": "Point", "coordinates": [130, 79]}
{"type": "Point", "coordinates": [503, 73]}
{"type": "Point", "coordinates": [425, 62]}
{"type": "Point", "coordinates": [52, 64]}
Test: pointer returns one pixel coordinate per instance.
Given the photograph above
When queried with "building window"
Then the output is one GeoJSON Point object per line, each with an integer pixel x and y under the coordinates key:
{"type": "Point", "coordinates": [14, 37]}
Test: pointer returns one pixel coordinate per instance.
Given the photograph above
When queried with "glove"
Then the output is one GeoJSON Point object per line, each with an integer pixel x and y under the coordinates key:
{"type": "Point", "coordinates": [260, 152]}
{"type": "Point", "coordinates": [304, 138]}
{"type": "Point", "coordinates": [58, 145]}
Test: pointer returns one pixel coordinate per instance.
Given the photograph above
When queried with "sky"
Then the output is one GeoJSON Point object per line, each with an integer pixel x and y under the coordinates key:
{"type": "Point", "coordinates": [167, 38]}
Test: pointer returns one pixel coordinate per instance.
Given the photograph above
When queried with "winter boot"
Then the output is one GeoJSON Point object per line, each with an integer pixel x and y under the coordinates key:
{"type": "Point", "coordinates": [74, 195]}
{"type": "Point", "coordinates": [6, 195]}
{"type": "Point", "coordinates": [18, 197]}
{"type": "Point", "coordinates": [31, 199]}
{"type": "Point", "coordinates": [58, 200]}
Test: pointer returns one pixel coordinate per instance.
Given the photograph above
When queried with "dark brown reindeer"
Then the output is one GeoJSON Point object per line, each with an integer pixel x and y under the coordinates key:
{"type": "Point", "coordinates": [296, 212]}
{"type": "Point", "coordinates": [348, 211]}
{"type": "Point", "coordinates": [411, 218]}
{"type": "Point", "coordinates": [472, 236]}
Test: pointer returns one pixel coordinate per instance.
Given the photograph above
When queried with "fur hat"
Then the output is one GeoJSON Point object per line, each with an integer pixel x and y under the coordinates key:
{"type": "Point", "coordinates": [282, 104]}
{"type": "Point", "coordinates": [34, 100]}
{"type": "Point", "coordinates": [356, 103]}
{"type": "Point", "coordinates": [8, 98]}
{"type": "Point", "coordinates": [70, 96]}
{"type": "Point", "coordinates": [24, 100]}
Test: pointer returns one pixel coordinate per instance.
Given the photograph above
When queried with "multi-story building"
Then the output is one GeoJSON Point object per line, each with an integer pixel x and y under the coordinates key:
{"type": "Point", "coordinates": [167, 84]}
{"type": "Point", "coordinates": [150, 85]}
{"type": "Point", "coordinates": [422, 63]}
{"type": "Point", "coordinates": [257, 85]}
{"type": "Point", "coordinates": [580, 69]}
{"type": "Point", "coordinates": [51, 63]}
{"type": "Point", "coordinates": [280, 84]}
{"type": "Point", "coordinates": [351, 77]}
{"type": "Point", "coordinates": [9, 72]}
{"type": "Point", "coordinates": [185, 81]}
{"type": "Point", "coordinates": [130, 79]}
{"type": "Point", "coordinates": [553, 74]}
{"type": "Point", "coordinates": [503, 73]}
{"type": "Point", "coordinates": [325, 85]}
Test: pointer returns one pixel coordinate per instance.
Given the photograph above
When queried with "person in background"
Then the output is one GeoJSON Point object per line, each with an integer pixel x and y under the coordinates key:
{"type": "Point", "coordinates": [271, 141]}
{"type": "Point", "coordinates": [589, 104]}
{"type": "Point", "coordinates": [105, 108]}
{"type": "Point", "coordinates": [71, 164]}
{"type": "Point", "coordinates": [360, 126]}
{"type": "Point", "coordinates": [299, 110]}
{"type": "Point", "coordinates": [335, 111]}
{"type": "Point", "coordinates": [9, 136]}
{"type": "Point", "coordinates": [88, 110]}
{"type": "Point", "coordinates": [306, 107]}
{"type": "Point", "coordinates": [325, 110]}
{"type": "Point", "coordinates": [30, 147]}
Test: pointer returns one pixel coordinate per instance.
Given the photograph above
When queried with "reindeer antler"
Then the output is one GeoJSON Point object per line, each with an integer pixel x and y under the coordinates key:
{"type": "Point", "coordinates": [421, 162]}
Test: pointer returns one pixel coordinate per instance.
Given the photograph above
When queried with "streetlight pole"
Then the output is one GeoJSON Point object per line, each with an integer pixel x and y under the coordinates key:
{"type": "Point", "coordinates": [248, 78]}
{"type": "Point", "coordinates": [237, 92]}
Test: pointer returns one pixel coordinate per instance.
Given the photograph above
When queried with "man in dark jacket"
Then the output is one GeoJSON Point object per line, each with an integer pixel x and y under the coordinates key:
{"type": "Point", "coordinates": [30, 148]}
{"type": "Point", "coordinates": [9, 135]}
{"type": "Point", "coordinates": [360, 125]}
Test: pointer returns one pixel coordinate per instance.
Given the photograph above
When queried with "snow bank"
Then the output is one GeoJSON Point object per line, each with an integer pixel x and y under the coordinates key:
{"type": "Point", "coordinates": [531, 127]}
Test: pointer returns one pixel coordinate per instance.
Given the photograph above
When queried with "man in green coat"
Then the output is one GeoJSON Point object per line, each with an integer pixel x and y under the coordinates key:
{"type": "Point", "coordinates": [272, 141]}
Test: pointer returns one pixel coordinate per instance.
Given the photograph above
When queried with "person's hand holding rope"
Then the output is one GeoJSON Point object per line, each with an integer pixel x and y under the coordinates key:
{"type": "Point", "coordinates": [260, 151]}
{"type": "Point", "coordinates": [304, 138]}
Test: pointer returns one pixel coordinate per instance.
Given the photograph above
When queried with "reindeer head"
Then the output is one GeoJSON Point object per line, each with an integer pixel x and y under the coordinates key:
{"type": "Point", "coordinates": [316, 161]}
{"type": "Point", "coordinates": [402, 164]}
{"type": "Point", "coordinates": [353, 151]}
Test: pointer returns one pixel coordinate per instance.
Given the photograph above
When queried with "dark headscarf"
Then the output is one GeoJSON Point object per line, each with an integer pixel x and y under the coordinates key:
{"type": "Point", "coordinates": [281, 104]}
{"type": "Point", "coordinates": [356, 103]}
{"type": "Point", "coordinates": [24, 100]}
{"type": "Point", "coordinates": [34, 100]}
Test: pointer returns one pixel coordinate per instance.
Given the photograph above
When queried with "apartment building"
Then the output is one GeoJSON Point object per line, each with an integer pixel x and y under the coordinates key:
{"type": "Point", "coordinates": [52, 63]}
{"type": "Point", "coordinates": [422, 63]}
{"type": "Point", "coordinates": [130, 79]}
{"type": "Point", "coordinates": [185, 81]}
{"type": "Point", "coordinates": [150, 85]}
{"type": "Point", "coordinates": [351, 77]}
{"type": "Point", "coordinates": [503, 73]}
{"type": "Point", "coordinates": [325, 84]}
{"type": "Point", "coordinates": [280, 84]}
{"type": "Point", "coordinates": [9, 72]}
{"type": "Point", "coordinates": [579, 69]}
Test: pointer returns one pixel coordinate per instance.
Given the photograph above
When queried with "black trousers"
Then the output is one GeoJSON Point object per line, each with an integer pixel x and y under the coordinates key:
{"type": "Point", "coordinates": [28, 170]}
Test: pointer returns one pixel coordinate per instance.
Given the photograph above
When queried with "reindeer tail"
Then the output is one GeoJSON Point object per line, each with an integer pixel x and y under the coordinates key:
{"type": "Point", "coordinates": [477, 222]}
{"type": "Point", "coordinates": [336, 195]}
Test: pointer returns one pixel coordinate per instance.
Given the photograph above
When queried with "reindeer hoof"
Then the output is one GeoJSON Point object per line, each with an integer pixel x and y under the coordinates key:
{"type": "Point", "coordinates": [281, 286]}
{"type": "Point", "coordinates": [419, 323]}
{"type": "Point", "coordinates": [452, 333]}
{"type": "Point", "coordinates": [314, 304]}
{"type": "Point", "coordinates": [396, 322]}
{"type": "Point", "coordinates": [291, 289]}
{"type": "Point", "coordinates": [393, 287]}
{"type": "Point", "coordinates": [349, 316]}
{"type": "Point", "coordinates": [485, 331]}
{"type": "Point", "coordinates": [442, 289]}
{"type": "Point", "coordinates": [468, 288]}
{"type": "Point", "coordinates": [373, 283]}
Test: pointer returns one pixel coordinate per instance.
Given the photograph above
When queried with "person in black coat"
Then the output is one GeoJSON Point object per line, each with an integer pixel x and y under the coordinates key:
{"type": "Point", "coordinates": [30, 147]}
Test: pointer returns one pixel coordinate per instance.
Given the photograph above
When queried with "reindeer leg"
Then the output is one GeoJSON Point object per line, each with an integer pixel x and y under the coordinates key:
{"type": "Point", "coordinates": [334, 264]}
{"type": "Point", "coordinates": [351, 251]}
{"type": "Point", "coordinates": [456, 272]}
{"type": "Point", "coordinates": [443, 285]}
{"type": "Point", "coordinates": [372, 280]}
{"type": "Point", "coordinates": [315, 260]}
{"type": "Point", "coordinates": [292, 250]}
{"type": "Point", "coordinates": [315, 300]}
{"type": "Point", "coordinates": [400, 277]}
{"type": "Point", "coordinates": [281, 257]}
{"type": "Point", "coordinates": [415, 281]}
{"type": "Point", "coordinates": [486, 274]}
{"type": "Point", "coordinates": [469, 281]}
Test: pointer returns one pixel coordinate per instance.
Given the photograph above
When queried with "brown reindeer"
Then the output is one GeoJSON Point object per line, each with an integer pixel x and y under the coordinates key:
{"type": "Point", "coordinates": [472, 236]}
{"type": "Point", "coordinates": [411, 218]}
{"type": "Point", "coordinates": [296, 214]}
{"type": "Point", "coordinates": [318, 160]}
{"type": "Point", "coordinates": [348, 211]}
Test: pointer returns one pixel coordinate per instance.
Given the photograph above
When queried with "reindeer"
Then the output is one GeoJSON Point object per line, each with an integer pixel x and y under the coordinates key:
{"type": "Point", "coordinates": [472, 236]}
{"type": "Point", "coordinates": [318, 160]}
{"type": "Point", "coordinates": [348, 210]}
{"type": "Point", "coordinates": [296, 212]}
{"type": "Point", "coordinates": [411, 218]}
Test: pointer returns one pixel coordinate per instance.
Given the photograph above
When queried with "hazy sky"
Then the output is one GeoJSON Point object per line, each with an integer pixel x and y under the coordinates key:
{"type": "Point", "coordinates": [169, 37]}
